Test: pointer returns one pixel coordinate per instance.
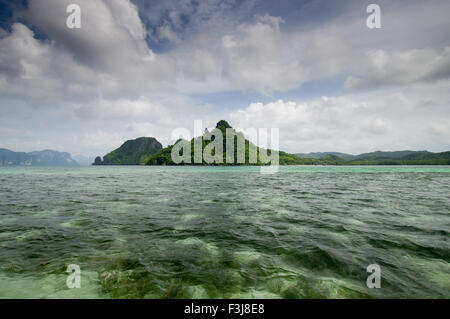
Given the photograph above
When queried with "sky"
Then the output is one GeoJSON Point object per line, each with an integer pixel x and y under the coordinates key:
{"type": "Point", "coordinates": [311, 68]}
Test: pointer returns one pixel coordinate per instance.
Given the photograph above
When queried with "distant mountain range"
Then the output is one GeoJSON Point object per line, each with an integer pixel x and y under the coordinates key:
{"type": "Point", "coordinates": [383, 158]}
{"type": "Point", "coordinates": [372, 155]}
{"type": "Point", "coordinates": [132, 152]}
{"type": "Point", "coordinates": [320, 155]}
{"type": "Point", "coordinates": [36, 158]}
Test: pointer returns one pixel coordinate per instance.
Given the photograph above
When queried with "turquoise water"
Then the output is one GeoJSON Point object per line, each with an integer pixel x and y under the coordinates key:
{"type": "Point", "coordinates": [225, 232]}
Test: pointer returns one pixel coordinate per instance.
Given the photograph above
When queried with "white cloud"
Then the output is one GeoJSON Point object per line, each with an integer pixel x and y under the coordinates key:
{"type": "Point", "coordinates": [381, 68]}
{"type": "Point", "coordinates": [34, 70]}
{"type": "Point", "coordinates": [261, 57]}
{"type": "Point", "coordinates": [358, 123]}
{"type": "Point", "coordinates": [103, 109]}
{"type": "Point", "coordinates": [107, 57]}
{"type": "Point", "coordinates": [165, 32]}
{"type": "Point", "coordinates": [256, 57]}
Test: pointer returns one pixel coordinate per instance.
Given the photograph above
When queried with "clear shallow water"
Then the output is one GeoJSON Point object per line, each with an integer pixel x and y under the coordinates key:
{"type": "Point", "coordinates": [224, 232]}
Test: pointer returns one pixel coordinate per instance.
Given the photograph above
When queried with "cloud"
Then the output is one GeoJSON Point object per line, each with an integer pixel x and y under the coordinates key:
{"type": "Point", "coordinates": [141, 67]}
{"type": "Point", "coordinates": [258, 56]}
{"type": "Point", "coordinates": [255, 57]}
{"type": "Point", "coordinates": [33, 70]}
{"type": "Point", "coordinates": [111, 31]}
{"type": "Point", "coordinates": [165, 32]}
{"type": "Point", "coordinates": [411, 118]}
{"type": "Point", "coordinates": [107, 57]}
{"type": "Point", "coordinates": [383, 68]}
{"type": "Point", "coordinates": [187, 17]}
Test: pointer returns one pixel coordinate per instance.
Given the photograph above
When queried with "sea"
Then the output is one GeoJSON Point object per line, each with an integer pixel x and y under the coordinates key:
{"type": "Point", "coordinates": [225, 232]}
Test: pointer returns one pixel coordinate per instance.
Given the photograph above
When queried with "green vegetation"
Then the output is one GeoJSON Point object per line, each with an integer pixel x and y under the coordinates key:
{"type": "Point", "coordinates": [383, 158]}
{"type": "Point", "coordinates": [401, 158]}
{"type": "Point", "coordinates": [163, 156]}
{"type": "Point", "coordinates": [132, 152]}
